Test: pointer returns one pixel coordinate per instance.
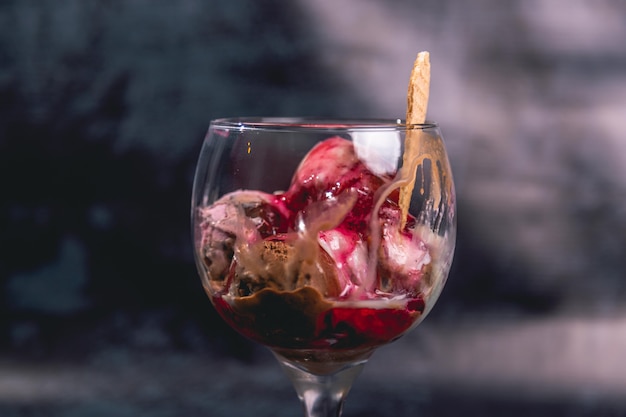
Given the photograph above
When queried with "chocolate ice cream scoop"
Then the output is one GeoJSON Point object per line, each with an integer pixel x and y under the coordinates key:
{"type": "Point", "coordinates": [248, 245]}
{"type": "Point", "coordinates": [275, 264]}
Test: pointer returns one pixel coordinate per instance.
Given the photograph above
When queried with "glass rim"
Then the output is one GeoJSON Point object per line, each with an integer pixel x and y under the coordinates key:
{"type": "Point", "coordinates": [311, 124]}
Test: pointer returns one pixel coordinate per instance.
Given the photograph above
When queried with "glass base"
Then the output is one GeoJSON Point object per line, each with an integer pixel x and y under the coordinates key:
{"type": "Point", "coordinates": [322, 395]}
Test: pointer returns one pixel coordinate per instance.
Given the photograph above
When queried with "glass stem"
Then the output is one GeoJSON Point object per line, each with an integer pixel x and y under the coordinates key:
{"type": "Point", "coordinates": [322, 395]}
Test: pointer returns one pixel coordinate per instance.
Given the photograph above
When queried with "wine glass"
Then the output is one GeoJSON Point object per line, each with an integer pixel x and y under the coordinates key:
{"type": "Point", "coordinates": [323, 239]}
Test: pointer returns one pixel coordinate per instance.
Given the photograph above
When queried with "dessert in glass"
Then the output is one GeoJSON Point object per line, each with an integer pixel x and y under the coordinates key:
{"type": "Point", "coordinates": [323, 239]}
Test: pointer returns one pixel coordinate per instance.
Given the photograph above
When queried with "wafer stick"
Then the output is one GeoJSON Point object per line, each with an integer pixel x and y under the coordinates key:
{"type": "Point", "coordinates": [417, 103]}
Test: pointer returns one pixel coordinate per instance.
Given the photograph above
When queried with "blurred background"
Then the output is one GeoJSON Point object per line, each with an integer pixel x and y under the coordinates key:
{"type": "Point", "coordinates": [103, 108]}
